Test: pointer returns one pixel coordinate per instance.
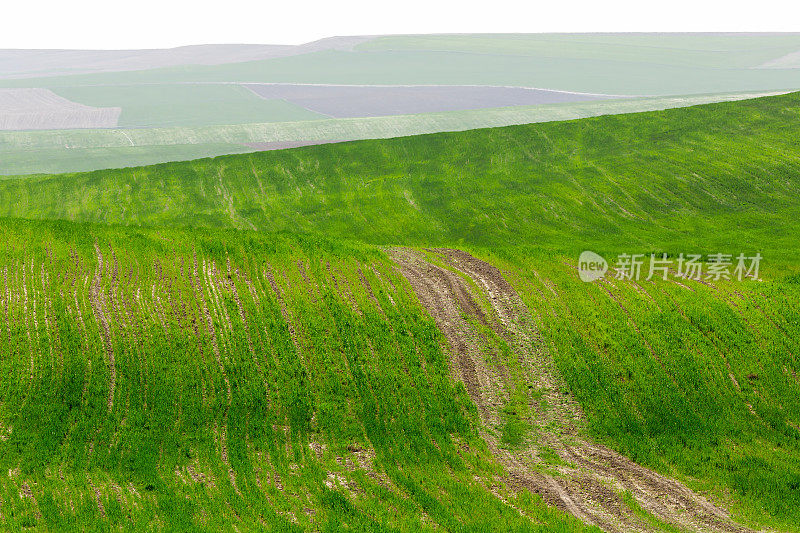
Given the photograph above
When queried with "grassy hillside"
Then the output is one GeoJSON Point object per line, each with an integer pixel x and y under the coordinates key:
{"type": "Point", "coordinates": [698, 380]}
{"type": "Point", "coordinates": [183, 374]}
{"type": "Point", "coordinates": [654, 180]}
{"type": "Point", "coordinates": [165, 379]}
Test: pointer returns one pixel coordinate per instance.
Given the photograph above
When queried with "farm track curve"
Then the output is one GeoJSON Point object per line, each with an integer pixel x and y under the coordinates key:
{"type": "Point", "coordinates": [590, 481]}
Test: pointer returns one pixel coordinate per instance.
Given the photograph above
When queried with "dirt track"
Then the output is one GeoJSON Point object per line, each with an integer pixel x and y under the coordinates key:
{"type": "Point", "coordinates": [590, 480]}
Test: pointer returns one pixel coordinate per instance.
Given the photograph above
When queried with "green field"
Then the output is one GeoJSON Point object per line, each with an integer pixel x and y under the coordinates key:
{"type": "Point", "coordinates": [158, 106]}
{"type": "Point", "coordinates": [185, 105]}
{"type": "Point", "coordinates": [238, 341]}
{"type": "Point", "coordinates": [652, 179]}
{"type": "Point", "coordinates": [639, 75]}
{"type": "Point", "coordinates": [687, 49]}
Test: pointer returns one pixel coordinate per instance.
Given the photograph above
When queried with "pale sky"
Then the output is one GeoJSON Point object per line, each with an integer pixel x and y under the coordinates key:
{"type": "Point", "coordinates": [104, 24]}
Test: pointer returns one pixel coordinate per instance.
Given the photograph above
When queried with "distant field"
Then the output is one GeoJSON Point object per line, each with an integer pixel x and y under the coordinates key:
{"type": "Point", "coordinates": [158, 106]}
{"type": "Point", "coordinates": [283, 145]}
{"type": "Point", "coordinates": [226, 96]}
{"type": "Point", "coordinates": [41, 109]}
{"type": "Point", "coordinates": [791, 60]}
{"type": "Point", "coordinates": [78, 150]}
{"type": "Point", "coordinates": [19, 64]}
{"type": "Point", "coordinates": [433, 67]}
{"type": "Point", "coordinates": [676, 49]}
{"type": "Point", "coordinates": [347, 101]}
{"type": "Point", "coordinates": [56, 160]}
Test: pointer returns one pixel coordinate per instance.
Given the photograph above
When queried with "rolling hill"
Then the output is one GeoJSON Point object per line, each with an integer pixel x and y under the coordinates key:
{"type": "Point", "coordinates": [392, 335]}
{"type": "Point", "coordinates": [651, 179]}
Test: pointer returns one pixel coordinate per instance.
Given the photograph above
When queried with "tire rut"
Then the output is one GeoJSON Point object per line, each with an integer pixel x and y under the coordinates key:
{"type": "Point", "coordinates": [98, 306]}
{"type": "Point", "coordinates": [590, 480]}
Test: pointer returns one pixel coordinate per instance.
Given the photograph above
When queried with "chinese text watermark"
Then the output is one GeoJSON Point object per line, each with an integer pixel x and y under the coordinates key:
{"type": "Point", "coordinates": [712, 267]}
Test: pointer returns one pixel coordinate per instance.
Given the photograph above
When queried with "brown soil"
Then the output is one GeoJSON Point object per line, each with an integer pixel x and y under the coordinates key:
{"type": "Point", "coordinates": [98, 496]}
{"type": "Point", "coordinates": [26, 492]}
{"type": "Point", "coordinates": [98, 306]}
{"type": "Point", "coordinates": [589, 480]}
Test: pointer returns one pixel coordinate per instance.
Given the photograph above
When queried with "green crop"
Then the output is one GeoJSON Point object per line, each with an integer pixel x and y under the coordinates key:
{"type": "Point", "coordinates": [247, 353]}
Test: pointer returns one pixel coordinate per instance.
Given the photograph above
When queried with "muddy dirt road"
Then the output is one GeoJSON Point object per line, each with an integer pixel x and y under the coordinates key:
{"type": "Point", "coordinates": [588, 480]}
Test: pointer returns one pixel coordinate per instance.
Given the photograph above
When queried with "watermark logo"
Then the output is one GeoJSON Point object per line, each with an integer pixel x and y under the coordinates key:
{"type": "Point", "coordinates": [591, 266]}
{"type": "Point", "coordinates": [713, 267]}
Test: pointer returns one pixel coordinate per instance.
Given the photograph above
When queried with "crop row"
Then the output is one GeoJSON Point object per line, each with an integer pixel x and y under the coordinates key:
{"type": "Point", "coordinates": [151, 381]}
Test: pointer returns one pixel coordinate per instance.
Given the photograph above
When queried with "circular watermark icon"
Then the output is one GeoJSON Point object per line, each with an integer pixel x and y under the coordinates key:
{"type": "Point", "coordinates": [591, 266]}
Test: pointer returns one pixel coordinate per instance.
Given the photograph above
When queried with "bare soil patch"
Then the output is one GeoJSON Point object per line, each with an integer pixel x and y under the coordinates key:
{"type": "Point", "coordinates": [42, 109]}
{"type": "Point", "coordinates": [588, 480]}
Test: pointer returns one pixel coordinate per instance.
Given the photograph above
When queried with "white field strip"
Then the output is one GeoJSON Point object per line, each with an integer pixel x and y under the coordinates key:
{"type": "Point", "coordinates": [788, 61]}
{"type": "Point", "coordinates": [418, 86]}
{"type": "Point", "coordinates": [41, 109]}
{"type": "Point", "coordinates": [375, 85]}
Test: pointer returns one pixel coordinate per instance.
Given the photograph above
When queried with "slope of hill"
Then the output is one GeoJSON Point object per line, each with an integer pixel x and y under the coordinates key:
{"type": "Point", "coordinates": [653, 179]}
{"type": "Point", "coordinates": [163, 379]}
{"type": "Point", "coordinates": [314, 373]}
